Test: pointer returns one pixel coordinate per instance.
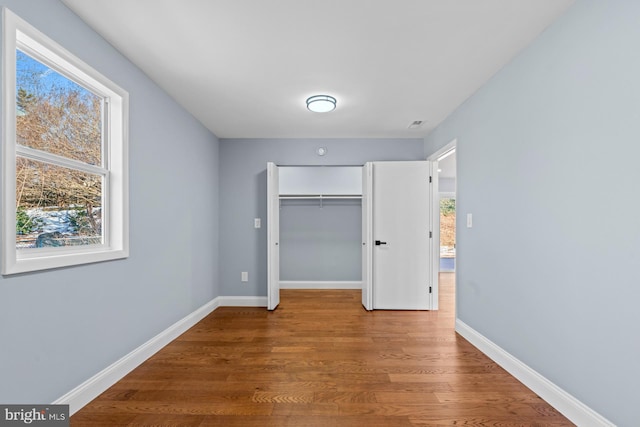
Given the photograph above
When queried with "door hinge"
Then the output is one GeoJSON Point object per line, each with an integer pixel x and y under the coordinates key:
{"type": "Point", "coordinates": [430, 179]}
{"type": "Point", "coordinates": [430, 289]}
{"type": "Point", "coordinates": [431, 234]}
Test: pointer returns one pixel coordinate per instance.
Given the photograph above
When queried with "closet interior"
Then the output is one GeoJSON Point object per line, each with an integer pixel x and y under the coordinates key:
{"type": "Point", "coordinates": [320, 226]}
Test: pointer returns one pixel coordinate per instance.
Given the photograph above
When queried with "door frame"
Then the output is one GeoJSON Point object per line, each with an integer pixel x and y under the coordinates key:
{"type": "Point", "coordinates": [435, 216]}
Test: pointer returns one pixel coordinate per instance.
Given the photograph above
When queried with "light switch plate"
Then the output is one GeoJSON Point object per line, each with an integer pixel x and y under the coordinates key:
{"type": "Point", "coordinates": [469, 220]}
{"type": "Point", "coordinates": [244, 276]}
{"type": "Point", "coordinates": [256, 223]}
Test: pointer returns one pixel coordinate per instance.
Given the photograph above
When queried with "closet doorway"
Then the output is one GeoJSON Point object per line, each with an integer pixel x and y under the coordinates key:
{"type": "Point", "coordinates": [314, 228]}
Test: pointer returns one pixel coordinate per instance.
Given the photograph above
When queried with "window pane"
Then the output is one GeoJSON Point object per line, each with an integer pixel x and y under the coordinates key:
{"type": "Point", "coordinates": [56, 206]}
{"type": "Point", "coordinates": [56, 115]}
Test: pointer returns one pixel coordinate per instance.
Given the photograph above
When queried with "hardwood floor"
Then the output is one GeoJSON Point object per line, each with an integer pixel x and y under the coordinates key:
{"type": "Point", "coordinates": [321, 360]}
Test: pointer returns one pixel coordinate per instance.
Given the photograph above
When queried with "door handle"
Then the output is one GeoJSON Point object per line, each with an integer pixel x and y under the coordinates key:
{"type": "Point", "coordinates": [378, 243]}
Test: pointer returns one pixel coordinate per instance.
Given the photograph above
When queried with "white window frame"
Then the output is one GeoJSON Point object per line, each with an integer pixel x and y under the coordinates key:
{"type": "Point", "coordinates": [18, 34]}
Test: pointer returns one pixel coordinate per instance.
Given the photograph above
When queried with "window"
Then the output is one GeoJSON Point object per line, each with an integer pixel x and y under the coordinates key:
{"type": "Point", "coordinates": [64, 171]}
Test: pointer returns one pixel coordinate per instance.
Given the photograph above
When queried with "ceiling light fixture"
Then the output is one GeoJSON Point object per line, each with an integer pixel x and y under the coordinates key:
{"type": "Point", "coordinates": [321, 103]}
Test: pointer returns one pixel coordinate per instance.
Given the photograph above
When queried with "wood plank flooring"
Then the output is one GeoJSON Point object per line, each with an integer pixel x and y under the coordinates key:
{"type": "Point", "coordinates": [321, 360]}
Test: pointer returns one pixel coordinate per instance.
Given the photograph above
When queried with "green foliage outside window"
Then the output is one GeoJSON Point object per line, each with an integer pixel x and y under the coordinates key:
{"type": "Point", "coordinates": [448, 206]}
{"type": "Point", "coordinates": [24, 225]}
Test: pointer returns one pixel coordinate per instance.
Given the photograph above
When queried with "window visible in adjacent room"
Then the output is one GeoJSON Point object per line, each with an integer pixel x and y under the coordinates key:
{"type": "Point", "coordinates": [64, 156]}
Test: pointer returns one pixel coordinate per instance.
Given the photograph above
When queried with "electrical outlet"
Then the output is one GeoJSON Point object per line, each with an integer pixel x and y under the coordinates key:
{"type": "Point", "coordinates": [244, 276]}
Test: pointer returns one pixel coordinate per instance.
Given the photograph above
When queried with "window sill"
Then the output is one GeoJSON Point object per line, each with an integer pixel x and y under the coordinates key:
{"type": "Point", "coordinates": [27, 262]}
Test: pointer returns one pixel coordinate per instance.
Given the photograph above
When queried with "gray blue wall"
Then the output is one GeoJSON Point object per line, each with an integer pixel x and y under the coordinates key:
{"type": "Point", "coordinates": [549, 271]}
{"type": "Point", "coordinates": [321, 243]}
{"type": "Point", "coordinates": [60, 327]}
{"type": "Point", "coordinates": [243, 186]}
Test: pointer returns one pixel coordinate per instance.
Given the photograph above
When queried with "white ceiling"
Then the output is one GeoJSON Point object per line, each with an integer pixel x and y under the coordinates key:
{"type": "Point", "coordinates": [245, 67]}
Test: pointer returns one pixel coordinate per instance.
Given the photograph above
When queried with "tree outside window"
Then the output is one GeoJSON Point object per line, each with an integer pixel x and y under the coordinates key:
{"type": "Point", "coordinates": [55, 205]}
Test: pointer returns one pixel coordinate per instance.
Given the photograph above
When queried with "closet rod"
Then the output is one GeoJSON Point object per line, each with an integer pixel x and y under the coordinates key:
{"type": "Point", "coordinates": [319, 197]}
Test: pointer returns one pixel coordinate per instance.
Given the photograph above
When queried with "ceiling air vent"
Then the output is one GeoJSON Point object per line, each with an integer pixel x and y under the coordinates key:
{"type": "Point", "coordinates": [416, 124]}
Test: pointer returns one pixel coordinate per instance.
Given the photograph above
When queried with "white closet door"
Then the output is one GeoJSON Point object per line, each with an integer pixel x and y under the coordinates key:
{"type": "Point", "coordinates": [401, 225]}
{"type": "Point", "coordinates": [367, 248]}
{"type": "Point", "coordinates": [273, 237]}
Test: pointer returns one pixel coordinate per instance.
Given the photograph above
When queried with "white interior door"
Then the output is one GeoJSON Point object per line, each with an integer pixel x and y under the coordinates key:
{"type": "Point", "coordinates": [401, 225]}
{"type": "Point", "coordinates": [434, 244]}
{"type": "Point", "coordinates": [273, 237]}
{"type": "Point", "coordinates": [367, 248]}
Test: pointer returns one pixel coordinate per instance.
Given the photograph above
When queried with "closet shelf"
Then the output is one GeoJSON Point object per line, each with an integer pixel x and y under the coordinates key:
{"type": "Point", "coordinates": [319, 196]}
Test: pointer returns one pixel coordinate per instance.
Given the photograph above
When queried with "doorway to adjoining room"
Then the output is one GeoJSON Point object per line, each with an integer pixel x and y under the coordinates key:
{"type": "Point", "coordinates": [447, 200]}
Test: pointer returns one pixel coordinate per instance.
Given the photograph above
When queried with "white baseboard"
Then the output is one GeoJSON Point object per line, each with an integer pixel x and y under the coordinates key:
{"type": "Point", "coordinates": [242, 301]}
{"type": "Point", "coordinates": [576, 411]}
{"type": "Point", "coordinates": [94, 386]}
{"type": "Point", "coordinates": [310, 284]}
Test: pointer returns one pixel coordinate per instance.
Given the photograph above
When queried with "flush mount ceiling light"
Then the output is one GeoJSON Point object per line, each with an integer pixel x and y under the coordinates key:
{"type": "Point", "coordinates": [321, 103]}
